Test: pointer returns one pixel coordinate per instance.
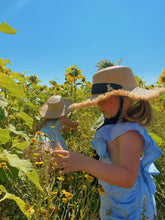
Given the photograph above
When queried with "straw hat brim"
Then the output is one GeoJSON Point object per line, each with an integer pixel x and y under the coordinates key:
{"type": "Point", "coordinates": [44, 111]}
{"type": "Point", "coordinates": [136, 93]}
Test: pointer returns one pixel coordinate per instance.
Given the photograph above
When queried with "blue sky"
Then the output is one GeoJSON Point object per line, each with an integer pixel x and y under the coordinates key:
{"type": "Point", "coordinates": [55, 34]}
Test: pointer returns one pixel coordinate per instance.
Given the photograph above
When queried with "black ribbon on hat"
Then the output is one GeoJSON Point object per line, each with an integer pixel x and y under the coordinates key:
{"type": "Point", "coordinates": [100, 88]}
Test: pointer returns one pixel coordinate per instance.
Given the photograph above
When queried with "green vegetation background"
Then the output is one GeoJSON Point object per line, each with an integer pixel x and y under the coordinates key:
{"type": "Point", "coordinates": [29, 189]}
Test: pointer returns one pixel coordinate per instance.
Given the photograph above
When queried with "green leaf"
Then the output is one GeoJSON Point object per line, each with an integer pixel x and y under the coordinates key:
{"type": "Point", "coordinates": [33, 176]}
{"type": "Point", "coordinates": [156, 138]}
{"type": "Point", "coordinates": [14, 161]}
{"type": "Point", "coordinates": [5, 28]}
{"type": "Point", "coordinates": [28, 120]}
{"type": "Point", "coordinates": [3, 102]}
{"type": "Point", "coordinates": [21, 145]}
{"type": "Point", "coordinates": [22, 205]}
{"type": "Point", "coordinates": [8, 83]}
{"type": "Point", "coordinates": [4, 135]}
{"type": "Point", "coordinates": [23, 165]}
{"type": "Point", "coordinates": [19, 77]}
{"type": "Point", "coordinates": [17, 151]}
{"type": "Point", "coordinates": [21, 133]}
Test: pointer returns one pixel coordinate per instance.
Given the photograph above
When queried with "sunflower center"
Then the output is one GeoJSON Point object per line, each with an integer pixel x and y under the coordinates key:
{"type": "Point", "coordinates": [163, 79]}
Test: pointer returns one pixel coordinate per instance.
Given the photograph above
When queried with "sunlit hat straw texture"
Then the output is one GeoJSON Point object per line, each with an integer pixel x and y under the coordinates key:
{"type": "Point", "coordinates": [55, 107]}
{"type": "Point", "coordinates": [120, 81]}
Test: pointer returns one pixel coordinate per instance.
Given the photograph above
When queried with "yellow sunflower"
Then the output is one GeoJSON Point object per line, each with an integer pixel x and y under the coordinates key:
{"type": "Point", "coordinates": [162, 78]}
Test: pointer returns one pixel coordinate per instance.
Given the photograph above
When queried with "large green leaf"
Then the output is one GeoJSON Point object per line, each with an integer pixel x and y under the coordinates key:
{"type": "Point", "coordinates": [28, 120]}
{"type": "Point", "coordinates": [6, 177]}
{"type": "Point", "coordinates": [21, 146]}
{"type": "Point", "coordinates": [4, 135]}
{"type": "Point", "coordinates": [5, 28]}
{"type": "Point", "coordinates": [9, 83]}
{"type": "Point", "coordinates": [19, 77]}
{"type": "Point", "coordinates": [14, 161]}
{"type": "Point", "coordinates": [24, 166]}
{"type": "Point", "coordinates": [21, 133]}
{"type": "Point", "coordinates": [33, 176]}
{"type": "Point", "coordinates": [22, 205]}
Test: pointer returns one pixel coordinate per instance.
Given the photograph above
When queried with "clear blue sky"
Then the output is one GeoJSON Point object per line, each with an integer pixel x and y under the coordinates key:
{"type": "Point", "coordinates": [55, 34]}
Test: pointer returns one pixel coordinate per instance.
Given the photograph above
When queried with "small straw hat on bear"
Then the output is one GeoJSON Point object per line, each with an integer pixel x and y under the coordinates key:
{"type": "Point", "coordinates": [120, 81]}
{"type": "Point", "coordinates": [55, 107]}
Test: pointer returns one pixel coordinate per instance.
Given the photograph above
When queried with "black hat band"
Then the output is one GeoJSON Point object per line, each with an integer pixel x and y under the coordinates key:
{"type": "Point", "coordinates": [100, 88]}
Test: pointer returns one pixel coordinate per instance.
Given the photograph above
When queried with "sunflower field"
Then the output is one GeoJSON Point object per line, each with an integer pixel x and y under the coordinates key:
{"type": "Point", "coordinates": [29, 189]}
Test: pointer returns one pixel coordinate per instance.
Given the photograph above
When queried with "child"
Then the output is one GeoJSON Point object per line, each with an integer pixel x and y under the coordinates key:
{"type": "Point", "coordinates": [55, 113]}
{"type": "Point", "coordinates": [126, 150]}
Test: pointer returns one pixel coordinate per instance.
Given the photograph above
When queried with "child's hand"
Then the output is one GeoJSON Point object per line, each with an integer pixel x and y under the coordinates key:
{"type": "Point", "coordinates": [72, 125]}
{"type": "Point", "coordinates": [69, 123]}
{"type": "Point", "coordinates": [70, 161]}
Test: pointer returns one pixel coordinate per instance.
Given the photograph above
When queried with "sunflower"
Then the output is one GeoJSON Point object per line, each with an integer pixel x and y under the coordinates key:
{"type": "Point", "coordinates": [162, 78]}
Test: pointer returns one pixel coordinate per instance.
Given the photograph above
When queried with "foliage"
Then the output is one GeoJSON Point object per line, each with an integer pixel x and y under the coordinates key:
{"type": "Point", "coordinates": [103, 64]}
{"type": "Point", "coordinates": [106, 63]}
{"type": "Point", "coordinates": [29, 187]}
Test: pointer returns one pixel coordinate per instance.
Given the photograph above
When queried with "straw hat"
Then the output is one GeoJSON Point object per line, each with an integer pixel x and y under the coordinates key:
{"type": "Point", "coordinates": [55, 107]}
{"type": "Point", "coordinates": [117, 80]}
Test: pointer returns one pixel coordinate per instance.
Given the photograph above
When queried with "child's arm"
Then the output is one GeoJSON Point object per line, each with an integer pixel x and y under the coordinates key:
{"type": "Point", "coordinates": [123, 175]}
{"type": "Point", "coordinates": [66, 121]}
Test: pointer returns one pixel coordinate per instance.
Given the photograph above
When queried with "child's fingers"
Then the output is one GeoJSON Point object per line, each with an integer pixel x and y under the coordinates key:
{"type": "Point", "coordinates": [60, 152]}
{"type": "Point", "coordinates": [60, 165]}
{"type": "Point", "coordinates": [58, 159]}
{"type": "Point", "coordinates": [59, 162]}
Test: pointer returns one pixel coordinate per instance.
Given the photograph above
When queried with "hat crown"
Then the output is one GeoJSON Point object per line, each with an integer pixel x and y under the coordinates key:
{"type": "Point", "coordinates": [120, 75]}
{"type": "Point", "coordinates": [55, 103]}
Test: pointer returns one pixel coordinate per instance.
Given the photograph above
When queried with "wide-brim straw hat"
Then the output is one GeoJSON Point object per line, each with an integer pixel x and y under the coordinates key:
{"type": "Point", "coordinates": [120, 81]}
{"type": "Point", "coordinates": [55, 107]}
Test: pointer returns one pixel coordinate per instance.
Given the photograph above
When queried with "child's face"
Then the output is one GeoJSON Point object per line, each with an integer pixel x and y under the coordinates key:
{"type": "Point", "coordinates": [110, 106]}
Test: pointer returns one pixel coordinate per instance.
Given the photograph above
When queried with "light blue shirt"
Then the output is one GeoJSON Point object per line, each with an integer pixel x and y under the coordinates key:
{"type": "Point", "coordinates": [53, 130]}
{"type": "Point", "coordinates": [120, 203]}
